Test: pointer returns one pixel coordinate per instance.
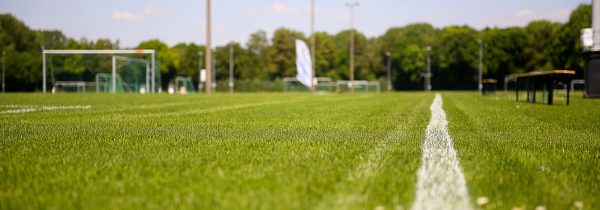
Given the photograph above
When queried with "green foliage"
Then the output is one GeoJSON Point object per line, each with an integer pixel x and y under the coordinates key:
{"type": "Point", "coordinates": [283, 53]}
{"type": "Point", "coordinates": [169, 61]}
{"type": "Point", "coordinates": [457, 52]}
{"type": "Point", "coordinates": [540, 45]}
{"type": "Point", "coordinates": [566, 47]}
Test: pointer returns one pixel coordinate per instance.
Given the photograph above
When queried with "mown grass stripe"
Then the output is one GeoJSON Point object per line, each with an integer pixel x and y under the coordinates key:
{"type": "Point", "coordinates": [441, 183]}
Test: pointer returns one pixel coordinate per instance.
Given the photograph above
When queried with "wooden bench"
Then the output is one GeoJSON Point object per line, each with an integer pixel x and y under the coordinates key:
{"type": "Point", "coordinates": [547, 80]}
{"type": "Point", "coordinates": [489, 86]}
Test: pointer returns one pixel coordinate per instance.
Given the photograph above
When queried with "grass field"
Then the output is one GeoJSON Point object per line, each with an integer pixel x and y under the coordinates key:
{"type": "Point", "coordinates": [288, 151]}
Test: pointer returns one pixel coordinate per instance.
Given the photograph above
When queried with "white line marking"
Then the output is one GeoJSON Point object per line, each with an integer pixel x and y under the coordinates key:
{"type": "Point", "coordinates": [15, 109]}
{"type": "Point", "coordinates": [441, 183]}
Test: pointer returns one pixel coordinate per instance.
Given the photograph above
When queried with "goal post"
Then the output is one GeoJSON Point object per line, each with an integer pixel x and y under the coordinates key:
{"type": "Point", "coordinates": [150, 70]}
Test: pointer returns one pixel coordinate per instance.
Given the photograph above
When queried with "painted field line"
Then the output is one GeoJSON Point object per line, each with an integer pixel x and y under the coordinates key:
{"type": "Point", "coordinates": [441, 183]}
{"type": "Point", "coordinates": [15, 109]}
{"type": "Point", "coordinates": [351, 194]}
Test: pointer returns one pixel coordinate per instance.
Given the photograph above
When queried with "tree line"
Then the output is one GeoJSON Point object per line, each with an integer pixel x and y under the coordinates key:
{"type": "Point", "coordinates": [540, 45]}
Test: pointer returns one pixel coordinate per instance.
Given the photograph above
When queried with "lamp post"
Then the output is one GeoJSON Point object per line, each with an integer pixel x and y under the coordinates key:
{"type": "Point", "coordinates": [3, 71]}
{"type": "Point", "coordinates": [388, 55]}
{"type": "Point", "coordinates": [480, 86]}
{"type": "Point", "coordinates": [428, 74]}
{"type": "Point", "coordinates": [200, 54]}
{"type": "Point", "coordinates": [208, 50]}
{"type": "Point", "coordinates": [352, 5]}
{"type": "Point", "coordinates": [231, 68]}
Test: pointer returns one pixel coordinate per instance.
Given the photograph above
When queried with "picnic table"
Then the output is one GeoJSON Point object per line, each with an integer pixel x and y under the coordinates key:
{"type": "Point", "coordinates": [489, 86]}
{"type": "Point", "coordinates": [547, 80]}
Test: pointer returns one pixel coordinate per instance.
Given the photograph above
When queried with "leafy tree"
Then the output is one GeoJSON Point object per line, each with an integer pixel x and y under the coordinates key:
{"type": "Point", "coordinates": [566, 47]}
{"type": "Point", "coordinates": [167, 58]}
{"type": "Point", "coordinates": [539, 38]}
{"type": "Point", "coordinates": [283, 53]}
{"type": "Point", "coordinates": [188, 56]}
{"type": "Point", "coordinates": [325, 56]}
{"type": "Point", "coordinates": [457, 51]}
{"type": "Point", "coordinates": [258, 50]}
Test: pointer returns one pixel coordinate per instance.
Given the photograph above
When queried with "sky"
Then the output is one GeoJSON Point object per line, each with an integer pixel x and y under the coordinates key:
{"type": "Point", "coordinates": [176, 21]}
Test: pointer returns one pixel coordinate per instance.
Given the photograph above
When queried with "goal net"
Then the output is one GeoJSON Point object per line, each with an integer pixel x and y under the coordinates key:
{"type": "Point", "coordinates": [358, 86]}
{"type": "Point", "coordinates": [322, 84]}
{"type": "Point", "coordinates": [184, 85]}
{"type": "Point", "coordinates": [102, 71]}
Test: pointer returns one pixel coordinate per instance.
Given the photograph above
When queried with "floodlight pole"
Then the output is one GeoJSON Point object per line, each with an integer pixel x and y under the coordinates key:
{"type": "Point", "coordinates": [44, 71]}
{"type": "Point", "coordinates": [3, 71]}
{"type": "Point", "coordinates": [480, 85]}
{"type": "Point", "coordinates": [200, 54]}
{"type": "Point", "coordinates": [352, 5]}
{"type": "Point", "coordinates": [312, 45]}
{"type": "Point", "coordinates": [388, 55]}
{"type": "Point", "coordinates": [208, 50]}
{"type": "Point", "coordinates": [428, 74]}
{"type": "Point", "coordinates": [231, 69]}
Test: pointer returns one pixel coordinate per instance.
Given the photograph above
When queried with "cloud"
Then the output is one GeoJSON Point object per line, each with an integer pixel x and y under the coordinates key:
{"type": "Point", "coordinates": [126, 16]}
{"type": "Point", "coordinates": [524, 16]}
{"type": "Point", "coordinates": [282, 9]}
{"type": "Point", "coordinates": [525, 13]}
{"type": "Point", "coordinates": [149, 11]}
{"type": "Point", "coordinates": [155, 11]}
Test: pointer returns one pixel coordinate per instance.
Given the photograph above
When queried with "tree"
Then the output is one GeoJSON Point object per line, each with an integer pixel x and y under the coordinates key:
{"type": "Point", "coordinates": [457, 51]}
{"type": "Point", "coordinates": [504, 52]}
{"type": "Point", "coordinates": [258, 51]}
{"type": "Point", "coordinates": [283, 53]}
{"type": "Point", "coordinates": [539, 35]}
{"type": "Point", "coordinates": [167, 58]}
{"type": "Point", "coordinates": [325, 55]}
{"type": "Point", "coordinates": [188, 59]}
{"type": "Point", "coordinates": [565, 51]}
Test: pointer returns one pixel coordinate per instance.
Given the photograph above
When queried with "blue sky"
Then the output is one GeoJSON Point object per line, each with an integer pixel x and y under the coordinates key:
{"type": "Point", "coordinates": [177, 21]}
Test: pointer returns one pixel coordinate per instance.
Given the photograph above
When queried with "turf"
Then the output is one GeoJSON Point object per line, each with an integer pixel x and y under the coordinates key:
{"type": "Point", "coordinates": [290, 151]}
{"type": "Point", "coordinates": [240, 151]}
{"type": "Point", "coordinates": [527, 155]}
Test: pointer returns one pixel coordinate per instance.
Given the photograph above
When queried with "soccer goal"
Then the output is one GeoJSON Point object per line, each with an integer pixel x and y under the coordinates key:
{"type": "Point", "coordinates": [322, 84]}
{"type": "Point", "coordinates": [358, 86]}
{"type": "Point", "coordinates": [184, 85]}
{"type": "Point", "coordinates": [100, 71]}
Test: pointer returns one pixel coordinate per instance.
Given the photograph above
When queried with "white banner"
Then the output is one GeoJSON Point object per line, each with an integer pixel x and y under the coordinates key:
{"type": "Point", "coordinates": [303, 63]}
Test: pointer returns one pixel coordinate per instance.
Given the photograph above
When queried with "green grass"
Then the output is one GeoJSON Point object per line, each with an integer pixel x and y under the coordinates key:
{"type": "Point", "coordinates": [525, 155]}
{"type": "Point", "coordinates": [289, 151]}
{"type": "Point", "coordinates": [242, 151]}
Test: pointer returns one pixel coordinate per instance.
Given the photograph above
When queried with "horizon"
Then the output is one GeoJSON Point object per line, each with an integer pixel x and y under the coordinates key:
{"type": "Point", "coordinates": [129, 22]}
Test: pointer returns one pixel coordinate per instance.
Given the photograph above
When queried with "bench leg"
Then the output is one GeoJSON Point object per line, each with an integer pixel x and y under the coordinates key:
{"type": "Point", "coordinates": [550, 92]}
{"type": "Point", "coordinates": [533, 88]}
{"type": "Point", "coordinates": [568, 90]}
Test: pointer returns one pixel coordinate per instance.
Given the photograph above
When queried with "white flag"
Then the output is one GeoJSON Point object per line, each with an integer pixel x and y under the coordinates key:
{"type": "Point", "coordinates": [303, 63]}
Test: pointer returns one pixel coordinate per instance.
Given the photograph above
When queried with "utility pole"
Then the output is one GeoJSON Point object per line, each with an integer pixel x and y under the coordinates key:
{"type": "Point", "coordinates": [231, 68]}
{"type": "Point", "coordinates": [3, 71]}
{"type": "Point", "coordinates": [428, 74]}
{"type": "Point", "coordinates": [352, 5]}
{"type": "Point", "coordinates": [208, 50]}
{"type": "Point", "coordinates": [312, 44]}
{"type": "Point", "coordinates": [480, 86]}
{"type": "Point", "coordinates": [388, 55]}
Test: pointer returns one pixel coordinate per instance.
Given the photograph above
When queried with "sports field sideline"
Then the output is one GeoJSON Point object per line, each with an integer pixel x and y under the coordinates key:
{"type": "Point", "coordinates": [290, 151]}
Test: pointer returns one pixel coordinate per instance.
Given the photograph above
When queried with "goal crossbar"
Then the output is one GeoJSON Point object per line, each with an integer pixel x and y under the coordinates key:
{"type": "Point", "coordinates": [110, 52]}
